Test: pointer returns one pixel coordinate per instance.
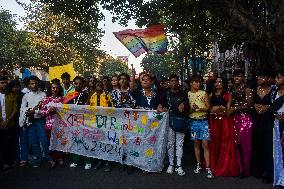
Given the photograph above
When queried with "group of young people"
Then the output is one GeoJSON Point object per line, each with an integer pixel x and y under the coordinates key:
{"type": "Point", "coordinates": [231, 123]}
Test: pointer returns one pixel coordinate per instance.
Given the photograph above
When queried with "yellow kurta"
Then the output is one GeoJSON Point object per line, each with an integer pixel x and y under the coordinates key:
{"type": "Point", "coordinates": [105, 100]}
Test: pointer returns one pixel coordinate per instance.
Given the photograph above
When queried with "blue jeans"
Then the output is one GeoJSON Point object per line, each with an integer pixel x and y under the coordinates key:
{"type": "Point", "coordinates": [199, 129]}
{"type": "Point", "coordinates": [24, 148]}
{"type": "Point", "coordinates": [36, 134]}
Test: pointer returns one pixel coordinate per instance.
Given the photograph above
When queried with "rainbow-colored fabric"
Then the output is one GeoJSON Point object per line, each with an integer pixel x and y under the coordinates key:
{"type": "Point", "coordinates": [139, 41]}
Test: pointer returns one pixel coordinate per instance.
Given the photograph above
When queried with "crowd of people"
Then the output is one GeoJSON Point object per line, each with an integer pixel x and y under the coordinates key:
{"type": "Point", "coordinates": [230, 122]}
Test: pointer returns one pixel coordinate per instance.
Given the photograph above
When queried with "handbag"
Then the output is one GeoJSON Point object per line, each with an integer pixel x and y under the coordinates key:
{"type": "Point", "coordinates": [178, 123]}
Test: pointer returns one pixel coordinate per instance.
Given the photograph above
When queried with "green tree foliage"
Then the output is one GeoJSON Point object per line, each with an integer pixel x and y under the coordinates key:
{"type": "Point", "coordinates": [257, 26]}
{"type": "Point", "coordinates": [60, 40]}
{"type": "Point", "coordinates": [162, 66]}
{"type": "Point", "coordinates": [16, 50]}
{"type": "Point", "coordinates": [111, 66]}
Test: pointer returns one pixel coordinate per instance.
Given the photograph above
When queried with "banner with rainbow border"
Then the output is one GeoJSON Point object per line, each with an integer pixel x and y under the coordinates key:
{"type": "Point", "coordinates": [139, 41]}
{"type": "Point", "coordinates": [129, 136]}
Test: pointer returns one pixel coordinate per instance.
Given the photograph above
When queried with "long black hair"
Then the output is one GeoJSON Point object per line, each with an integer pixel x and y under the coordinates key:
{"type": "Point", "coordinates": [57, 82]}
{"type": "Point", "coordinates": [225, 85]}
{"type": "Point", "coordinates": [13, 83]}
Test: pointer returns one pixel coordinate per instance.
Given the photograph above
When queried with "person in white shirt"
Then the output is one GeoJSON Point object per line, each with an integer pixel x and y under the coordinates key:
{"type": "Point", "coordinates": [32, 120]}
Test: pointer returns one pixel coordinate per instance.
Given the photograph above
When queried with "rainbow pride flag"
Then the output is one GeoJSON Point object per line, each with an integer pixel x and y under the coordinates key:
{"type": "Point", "coordinates": [139, 41]}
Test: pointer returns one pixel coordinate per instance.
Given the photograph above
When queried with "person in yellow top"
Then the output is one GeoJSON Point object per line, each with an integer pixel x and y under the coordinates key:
{"type": "Point", "coordinates": [199, 104]}
{"type": "Point", "coordinates": [101, 98]}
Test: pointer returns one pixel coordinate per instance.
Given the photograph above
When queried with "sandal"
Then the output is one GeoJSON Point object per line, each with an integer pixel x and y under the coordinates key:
{"type": "Point", "coordinates": [23, 163]}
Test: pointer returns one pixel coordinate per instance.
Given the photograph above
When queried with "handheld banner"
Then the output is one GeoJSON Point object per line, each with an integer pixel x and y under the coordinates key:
{"type": "Point", "coordinates": [130, 136]}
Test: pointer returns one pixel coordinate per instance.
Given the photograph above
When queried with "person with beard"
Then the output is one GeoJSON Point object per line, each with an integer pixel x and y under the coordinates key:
{"type": "Point", "coordinates": [101, 98]}
{"type": "Point", "coordinates": [262, 147]}
{"type": "Point", "coordinates": [177, 103]}
{"type": "Point", "coordinates": [278, 131]}
{"type": "Point", "coordinates": [242, 121]}
{"type": "Point", "coordinates": [67, 86]}
{"type": "Point", "coordinates": [8, 111]}
{"type": "Point", "coordinates": [78, 97]}
{"type": "Point", "coordinates": [33, 121]}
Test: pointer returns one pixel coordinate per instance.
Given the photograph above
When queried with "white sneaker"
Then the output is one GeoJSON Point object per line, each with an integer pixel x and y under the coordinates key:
{"type": "Point", "coordinates": [170, 169]}
{"type": "Point", "coordinates": [73, 165]}
{"type": "Point", "coordinates": [209, 173]}
{"type": "Point", "coordinates": [88, 166]}
{"type": "Point", "coordinates": [180, 171]}
{"type": "Point", "coordinates": [198, 168]}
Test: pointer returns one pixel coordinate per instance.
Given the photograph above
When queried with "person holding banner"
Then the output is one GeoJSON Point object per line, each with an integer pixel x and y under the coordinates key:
{"type": "Point", "coordinates": [101, 98]}
{"type": "Point", "coordinates": [122, 97]}
{"type": "Point", "coordinates": [199, 104]}
{"type": "Point", "coordinates": [146, 97]}
{"type": "Point", "coordinates": [177, 103]}
{"type": "Point", "coordinates": [32, 120]}
{"type": "Point", "coordinates": [114, 82]}
{"type": "Point", "coordinates": [92, 86]}
{"type": "Point", "coordinates": [78, 97]}
{"type": "Point", "coordinates": [67, 86]}
{"type": "Point", "coordinates": [54, 95]}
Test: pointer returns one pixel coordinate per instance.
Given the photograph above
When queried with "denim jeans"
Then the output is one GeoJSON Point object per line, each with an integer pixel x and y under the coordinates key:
{"type": "Point", "coordinates": [24, 148]}
{"type": "Point", "coordinates": [36, 134]}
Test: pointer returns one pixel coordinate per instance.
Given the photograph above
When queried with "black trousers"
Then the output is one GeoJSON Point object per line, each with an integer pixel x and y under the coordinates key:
{"type": "Point", "coordinates": [9, 143]}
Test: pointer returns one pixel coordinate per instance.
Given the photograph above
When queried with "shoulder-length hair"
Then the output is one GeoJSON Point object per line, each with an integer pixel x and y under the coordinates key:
{"type": "Point", "coordinates": [57, 82]}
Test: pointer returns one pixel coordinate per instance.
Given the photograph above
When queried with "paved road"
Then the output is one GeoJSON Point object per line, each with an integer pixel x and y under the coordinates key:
{"type": "Point", "coordinates": [61, 178]}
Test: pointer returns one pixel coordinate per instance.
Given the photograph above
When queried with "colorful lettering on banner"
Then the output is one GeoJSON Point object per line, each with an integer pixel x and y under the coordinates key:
{"type": "Point", "coordinates": [144, 119]}
{"type": "Point", "coordinates": [154, 125]}
{"type": "Point", "coordinates": [132, 137]}
{"type": "Point", "coordinates": [135, 115]}
{"type": "Point", "coordinates": [149, 152]}
{"type": "Point", "coordinates": [76, 119]}
{"type": "Point", "coordinates": [152, 139]}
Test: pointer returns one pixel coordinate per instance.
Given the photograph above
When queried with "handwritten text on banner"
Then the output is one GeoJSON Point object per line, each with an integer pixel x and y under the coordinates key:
{"type": "Point", "coordinates": [129, 136]}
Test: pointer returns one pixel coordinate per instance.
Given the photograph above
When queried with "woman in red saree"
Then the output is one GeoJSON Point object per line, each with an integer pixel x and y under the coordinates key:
{"type": "Point", "coordinates": [223, 152]}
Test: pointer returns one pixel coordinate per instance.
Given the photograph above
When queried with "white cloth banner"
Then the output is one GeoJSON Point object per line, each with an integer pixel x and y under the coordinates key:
{"type": "Point", "coordinates": [129, 136]}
